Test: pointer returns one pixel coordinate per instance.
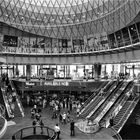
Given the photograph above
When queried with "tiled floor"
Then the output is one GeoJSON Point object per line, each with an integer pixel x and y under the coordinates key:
{"type": "Point", "coordinates": [65, 131]}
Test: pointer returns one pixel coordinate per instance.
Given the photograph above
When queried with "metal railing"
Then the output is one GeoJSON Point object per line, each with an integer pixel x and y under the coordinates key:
{"type": "Point", "coordinates": [95, 93]}
{"type": "Point", "coordinates": [34, 131]}
{"type": "Point", "coordinates": [3, 123]}
{"type": "Point", "coordinates": [126, 115]}
{"type": "Point", "coordinates": [7, 104]}
{"type": "Point", "coordinates": [85, 50]}
{"type": "Point", "coordinates": [2, 110]}
{"type": "Point", "coordinates": [17, 99]}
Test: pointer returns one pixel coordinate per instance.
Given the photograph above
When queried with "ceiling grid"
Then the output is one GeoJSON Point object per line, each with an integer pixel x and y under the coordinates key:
{"type": "Point", "coordinates": [68, 18]}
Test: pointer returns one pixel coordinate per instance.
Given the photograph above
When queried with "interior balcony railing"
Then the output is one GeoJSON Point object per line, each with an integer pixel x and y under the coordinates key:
{"type": "Point", "coordinates": [3, 126]}
{"type": "Point", "coordinates": [35, 132]}
{"type": "Point", "coordinates": [68, 51]}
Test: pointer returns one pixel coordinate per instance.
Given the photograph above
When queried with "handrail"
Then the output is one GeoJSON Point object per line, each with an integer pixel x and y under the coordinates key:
{"type": "Point", "coordinates": [104, 108]}
{"type": "Point", "coordinates": [128, 109]}
{"type": "Point", "coordinates": [8, 108]}
{"type": "Point", "coordinates": [93, 99]}
{"type": "Point", "coordinates": [116, 134]}
{"type": "Point", "coordinates": [17, 98]}
{"type": "Point", "coordinates": [73, 53]}
{"type": "Point", "coordinates": [101, 101]}
{"type": "Point", "coordinates": [20, 133]}
{"type": "Point", "coordinates": [121, 102]}
{"type": "Point", "coordinates": [2, 110]}
{"type": "Point", "coordinates": [3, 130]}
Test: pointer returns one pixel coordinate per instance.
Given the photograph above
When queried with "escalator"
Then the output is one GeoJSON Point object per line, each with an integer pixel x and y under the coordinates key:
{"type": "Point", "coordinates": [97, 116]}
{"type": "Point", "coordinates": [104, 122]}
{"type": "Point", "coordinates": [19, 110]}
{"type": "Point", "coordinates": [91, 99]}
{"type": "Point", "coordinates": [124, 114]}
{"type": "Point", "coordinates": [5, 101]}
{"type": "Point", "coordinates": [93, 106]}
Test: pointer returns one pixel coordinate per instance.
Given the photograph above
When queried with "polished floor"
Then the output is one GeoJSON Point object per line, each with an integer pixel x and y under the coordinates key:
{"type": "Point", "coordinates": [65, 128]}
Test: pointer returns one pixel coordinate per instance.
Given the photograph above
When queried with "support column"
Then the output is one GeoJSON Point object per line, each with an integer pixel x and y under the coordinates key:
{"type": "Point", "coordinates": [41, 71]}
{"type": "Point", "coordinates": [92, 71]}
{"type": "Point", "coordinates": [13, 71]}
{"type": "Point", "coordinates": [130, 35]}
{"type": "Point", "coordinates": [133, 68]}
{"type": "Point", "coordinates": [71, 44]}
{"type": "Point", "coordinates": [112, 72]}
{"type": "Point", "coordinates": [23, 70]}
{"type": "Point", "coordinates": [97, 71]}
{"type": "Point", "coordinates": [64, 71]}
{"type": "Point", "coordinates": [28, 71]}
{"type": "Point", "coordinates": [37, 71]}
{"type": "Point", "coordinates": [17, 71]}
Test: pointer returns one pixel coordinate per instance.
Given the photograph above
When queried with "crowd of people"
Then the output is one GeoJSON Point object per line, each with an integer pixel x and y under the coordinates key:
{"type": "Point", "coordinates": [62, 110]}
{"type": "Point", "coordinates": [37, 121]}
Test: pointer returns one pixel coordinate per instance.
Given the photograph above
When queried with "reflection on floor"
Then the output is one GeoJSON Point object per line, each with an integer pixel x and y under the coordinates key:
{"type": "Point", "coordinates": [9, 123]}
{"type": "Point", "coordinates": [65, 128]}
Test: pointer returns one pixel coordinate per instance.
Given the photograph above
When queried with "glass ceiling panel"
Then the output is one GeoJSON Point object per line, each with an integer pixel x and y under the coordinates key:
{"type": "Point", "coordinates": [55, 3]}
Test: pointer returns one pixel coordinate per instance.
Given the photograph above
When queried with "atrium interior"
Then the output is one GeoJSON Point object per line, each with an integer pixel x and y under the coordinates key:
{"type": "Point", "coordinates": [70, 69]}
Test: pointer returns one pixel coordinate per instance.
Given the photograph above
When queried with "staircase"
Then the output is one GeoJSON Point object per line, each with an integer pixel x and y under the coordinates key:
{"type": "Point", "coordinates": [124, 114]}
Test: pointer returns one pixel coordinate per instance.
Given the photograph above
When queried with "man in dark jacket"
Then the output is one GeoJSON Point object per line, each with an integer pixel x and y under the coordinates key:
{"type": "Point", "coordinates": [72, 128]}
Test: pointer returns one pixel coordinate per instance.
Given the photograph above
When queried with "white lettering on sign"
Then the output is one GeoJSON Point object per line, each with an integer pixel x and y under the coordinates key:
{"type": "Point", "coordinates": [30, 84]}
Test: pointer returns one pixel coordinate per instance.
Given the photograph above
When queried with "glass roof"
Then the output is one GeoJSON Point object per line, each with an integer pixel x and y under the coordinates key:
{"type": "Point", "coordinates": [55, 3]}
{"type": "Point", "coordinates": [49, 18]}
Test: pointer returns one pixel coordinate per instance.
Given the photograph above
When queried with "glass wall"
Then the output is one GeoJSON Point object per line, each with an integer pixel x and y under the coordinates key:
{"type": "Point", "coordinates": [70, 71]}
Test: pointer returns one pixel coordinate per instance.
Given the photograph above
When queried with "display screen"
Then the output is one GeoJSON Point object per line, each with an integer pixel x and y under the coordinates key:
{"type": "Point", "coordinates": [11, 41]}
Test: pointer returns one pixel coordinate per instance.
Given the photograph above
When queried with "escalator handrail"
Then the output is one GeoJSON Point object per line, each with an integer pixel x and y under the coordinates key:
{"type": "Point", "coordinates": [116, 133]}
{"type": "Point", "coordinates": [17, 99]}
{"type": "Point", "coordinates": [106, 102]}
{"type": "Point", "coordinates": [106, 94]}
{"type": "Point", "coordinates": [126, 111]}
{"type": "Point", "coordinates": [2, 108]}
{"type": "Point", "coordinates": [7, 105]}
{"type": "Point", "coordinates": [120, 101]}
{"type": "Point", "coordinates": [89, 99]}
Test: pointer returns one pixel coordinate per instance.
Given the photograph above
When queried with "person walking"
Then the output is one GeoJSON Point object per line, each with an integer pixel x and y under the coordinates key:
{"type": "Point", "coordinates": [57, 131]}
{"type": "Point", "coordinates": [72, 126]}
{"type": "Point", "coordinates": [41, 126]}
{"type": "Point", "coordinates": [34, 123]}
